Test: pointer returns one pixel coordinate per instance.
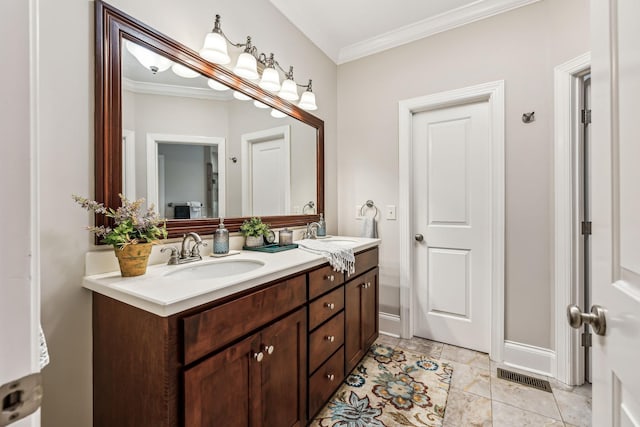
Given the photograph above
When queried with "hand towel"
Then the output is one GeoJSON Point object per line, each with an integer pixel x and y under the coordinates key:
{"type": "Point", "coordinates": [369, 228]}
{"type": "Point", "coordinates": [44, 352]}
{"type": "Point", "coordinates": [340, 258]}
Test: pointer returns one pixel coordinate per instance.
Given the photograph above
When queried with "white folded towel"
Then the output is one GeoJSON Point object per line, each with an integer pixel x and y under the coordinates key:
{"type": "Point", "coordinates": [44, 352]}
{"type": "Point", "coordinates": [340, 258]}
{"type": "Point", "coordinates": [369, 228]}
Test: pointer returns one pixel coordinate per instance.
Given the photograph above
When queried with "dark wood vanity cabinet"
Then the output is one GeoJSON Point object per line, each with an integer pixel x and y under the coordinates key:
{"type": "Point", "coordinates": [260, 381]}
{"type": "Point", "coordinates": [271, 356]}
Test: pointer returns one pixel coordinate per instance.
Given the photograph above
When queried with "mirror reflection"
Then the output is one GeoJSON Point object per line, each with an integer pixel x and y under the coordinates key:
{"type": "Point", "coordinates": [197, 149]}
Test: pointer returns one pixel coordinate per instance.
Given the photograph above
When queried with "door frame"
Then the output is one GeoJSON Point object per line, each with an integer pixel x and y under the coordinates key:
{"type": "Point", "coordinates": [246, 140]}
{"type": "Point", "coordinates": [569, 355]}
{"type": "Point", "coordinates": [153, 139]}
{"type": "Point", "coordinates": [493, 93]}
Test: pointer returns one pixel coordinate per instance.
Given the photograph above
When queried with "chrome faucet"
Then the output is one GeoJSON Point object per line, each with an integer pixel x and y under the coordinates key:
{"type": "Point", "coordinates": [186, 254]}
{"type": "Point", "coordinates": [311, 233]}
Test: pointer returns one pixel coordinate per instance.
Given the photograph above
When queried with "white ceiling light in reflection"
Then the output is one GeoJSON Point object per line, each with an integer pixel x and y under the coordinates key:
{"type": "Point", "coordinates": [216, 85]}
{"type": "Point", "coordinates": [277, 114]}
{"type": "Point", "coordinates": [182, 71]}
{"type": "Point", "coordinates": [260, 104]}
{"type": "Point", "coordinates": [149, 60]}
{"type": "Point", "coordinates": [240, 96]}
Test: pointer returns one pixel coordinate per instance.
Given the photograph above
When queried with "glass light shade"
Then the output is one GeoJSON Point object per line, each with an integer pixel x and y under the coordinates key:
{"type": "Point", "coordinates": [308, 101]}
{"type": "Point", "coordinates": [183, 71]}
{"type": "Point", "coordinates": [149, 60]}
{"type": "Point", "coordinates": [260, 104]}
{"type": "Point", "coordinates": [277, 114]}
{"type": "Point", "coordinates": [215, 49]}
{"type": "Point", "coordinates": [289, 90]}
{"type": "Point", "coordinates": [270, 80]}
{"type": "Point", "coordinates": [246, 66]}
{"type": "Point", "coordinates": [216, 85]}
{"type": "Point", "coordinates": [240, 96]}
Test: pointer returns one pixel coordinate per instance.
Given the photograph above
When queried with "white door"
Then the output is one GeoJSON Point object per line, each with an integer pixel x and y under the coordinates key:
{"type": "Point", "coordinates": [19, 296]}
{"type": "Point", "coordinates": [451, 194]}
{"type": "Point", "coordinates": [615, 35]}
{"type": "Point", "coordinates": [268, 178]}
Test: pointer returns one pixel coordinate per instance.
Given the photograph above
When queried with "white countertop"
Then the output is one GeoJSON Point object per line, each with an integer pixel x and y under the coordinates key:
{"type": "Point", "coordinates": [164, 295]}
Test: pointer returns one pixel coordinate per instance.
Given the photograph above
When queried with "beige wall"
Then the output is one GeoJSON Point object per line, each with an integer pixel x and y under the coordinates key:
{"type": "Point", "coordinates": [520, 47]}
{"type": "Point", "coordinates": [65, 108]}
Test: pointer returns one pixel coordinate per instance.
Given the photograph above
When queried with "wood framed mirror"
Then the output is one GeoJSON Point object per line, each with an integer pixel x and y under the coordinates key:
{"type": "Point", "coordinates": [143, 118]}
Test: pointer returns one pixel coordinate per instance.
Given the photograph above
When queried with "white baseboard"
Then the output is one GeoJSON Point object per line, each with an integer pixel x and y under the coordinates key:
{"type": "Point", "coordinates": [390, 324]}
{"type": "Point", "coordinates": [538, 360]}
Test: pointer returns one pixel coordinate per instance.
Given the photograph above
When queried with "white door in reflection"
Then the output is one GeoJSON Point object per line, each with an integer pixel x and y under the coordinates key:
{"type": "Point", "coordinates": [266, 172]}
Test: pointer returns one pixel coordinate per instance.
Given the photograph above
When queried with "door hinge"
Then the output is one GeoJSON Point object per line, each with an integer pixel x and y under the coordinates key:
{"type": "Point", "coordinates": [586, 339]}
{"type": "Point", "coordinates": [586, 117]}
{"type": "Point", "coordinates": [586, 228]}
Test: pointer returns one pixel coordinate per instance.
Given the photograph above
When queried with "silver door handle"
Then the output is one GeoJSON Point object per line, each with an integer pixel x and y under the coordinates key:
{"type": "Point", "coordinates": [596, 318]}
{"type": "Point", "coordinates": [419, 237]}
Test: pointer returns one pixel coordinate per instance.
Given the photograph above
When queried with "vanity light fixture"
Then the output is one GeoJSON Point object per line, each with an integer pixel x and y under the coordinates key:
{"type": "Point", "coordinates": [216, 85]}
{"type": "Point", "coordinates": [250, 63]}
{"type": "Point", "coordinates": [183, 71]}
{"type": "Point", "coordinates": [277, 114]}
{"type": "Point", "coordinates": [240, 96]}
{"type": "Point", "coordinates": [259, 104]}
{"type": "Point", "coordinates": [149, 60]}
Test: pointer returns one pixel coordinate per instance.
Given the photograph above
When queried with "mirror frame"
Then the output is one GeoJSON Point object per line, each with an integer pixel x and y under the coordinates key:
{"type": "Point", "coordinates": [112, 26]}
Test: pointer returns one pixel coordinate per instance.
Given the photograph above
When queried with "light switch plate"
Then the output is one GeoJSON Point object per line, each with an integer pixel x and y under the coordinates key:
{"type": "Point", "coordinates": [391, 212]}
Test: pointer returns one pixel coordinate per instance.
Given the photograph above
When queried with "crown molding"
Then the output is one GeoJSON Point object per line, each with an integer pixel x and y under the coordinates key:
{"type": "Point", "coordinates": [475, 11]}
{"type": "Point", "coordinates": [174, 90]}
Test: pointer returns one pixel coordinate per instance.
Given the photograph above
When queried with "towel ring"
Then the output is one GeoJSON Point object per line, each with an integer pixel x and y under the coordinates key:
{"type": "Point", "coordinates": [369, 205]}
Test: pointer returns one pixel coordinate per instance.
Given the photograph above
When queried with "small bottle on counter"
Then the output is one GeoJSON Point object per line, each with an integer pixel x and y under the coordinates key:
{"type": "Point", "coordinates": [221, 239]}
{"type": "Point", "coordinates": [322, 227]}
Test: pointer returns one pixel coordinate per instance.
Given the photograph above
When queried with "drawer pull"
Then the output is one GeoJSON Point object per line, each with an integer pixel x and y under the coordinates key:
{"type": "Point", "coordinates": [330, 305]}
{"type": "Point", "coordinates": [268, 349]}
{"type": "Point", "coordinates": [330, 277]}
{"type": "Point", "coordinates": [258, 356]}
{"type": "Point", "coordinates": [330, 338]}
{"type": "Point", "coordinates": [366, 285]}
{"type": "Point", "coordinates": [331, 377]}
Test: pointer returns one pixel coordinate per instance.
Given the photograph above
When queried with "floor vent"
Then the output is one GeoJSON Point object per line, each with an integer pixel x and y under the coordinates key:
{"type": "Point", "coordinates": [524, 380]}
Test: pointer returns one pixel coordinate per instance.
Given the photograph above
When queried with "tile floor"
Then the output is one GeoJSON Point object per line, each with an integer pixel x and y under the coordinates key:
{"type": "Point", "coordinates": [478, 398]}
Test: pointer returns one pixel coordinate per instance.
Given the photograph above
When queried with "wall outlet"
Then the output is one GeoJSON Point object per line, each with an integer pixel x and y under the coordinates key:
{"type": "Point", "coordinates": [391, 212]}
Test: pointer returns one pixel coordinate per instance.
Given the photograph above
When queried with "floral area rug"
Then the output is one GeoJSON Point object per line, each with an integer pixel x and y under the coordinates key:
{"type": "Point", "coordinates": [390, 387]}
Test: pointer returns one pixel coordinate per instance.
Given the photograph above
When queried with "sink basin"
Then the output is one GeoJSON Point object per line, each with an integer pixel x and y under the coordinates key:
{"type": "Point", "coordinates": [216, 269]}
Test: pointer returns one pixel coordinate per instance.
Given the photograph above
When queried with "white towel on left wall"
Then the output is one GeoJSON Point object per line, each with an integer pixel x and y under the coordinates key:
{"type": "Point", "coordinates": [44, 352]}
{"type": "Point", "coordinates": [369, 228]}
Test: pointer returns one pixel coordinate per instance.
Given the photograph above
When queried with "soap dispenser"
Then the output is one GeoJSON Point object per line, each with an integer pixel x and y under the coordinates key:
{"type": "Point", "coordinates": [221, 240]}
{"type": "Point", "coordinates": [322, 227]}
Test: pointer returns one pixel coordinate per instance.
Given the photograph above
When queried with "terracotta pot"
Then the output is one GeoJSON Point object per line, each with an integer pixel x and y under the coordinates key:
{"type": "Point", "coordinates": [133, 259]}
{"type": "Point", "coordinates": [253, 241]}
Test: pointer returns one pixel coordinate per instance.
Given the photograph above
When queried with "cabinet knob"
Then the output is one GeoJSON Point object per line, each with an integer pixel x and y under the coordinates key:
{"type": "Point", "coordinates": [268, 349]}
{"type": "Point", "coordinates": [258, 356]}
{"type": "Point", "coordinates": [330, 305]}
{"type": "Point", "coordinates": [366, 285]}
{"type": "Point", "coordinates": [331, 377]}
{"type": "Point", "coordinates": [330, 277]}
{"type": "Point", "coordinates": [330, 338]}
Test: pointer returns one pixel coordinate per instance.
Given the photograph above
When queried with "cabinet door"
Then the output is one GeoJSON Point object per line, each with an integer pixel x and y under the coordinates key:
{"type": "Point", "coordinates": [225, 388]}
{"type": "Point", "coordinates": [361, 317]}
{"type": "Point", "coordinates": [284, 372]}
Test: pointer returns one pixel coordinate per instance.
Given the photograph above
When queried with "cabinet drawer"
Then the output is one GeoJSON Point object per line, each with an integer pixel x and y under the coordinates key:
{"type": "Point", "coordinates": [325, 381]}
{"type": "Point", "coordinates": [207, 331]}
{"type": "Point", "coordinates": [322, 280]}
{"type": "Point", "coordinates": [366, 261]}
{"type": "Point", "coordinates": [325, 340]}
{"type": "Point", "coordinates": [325, 307]}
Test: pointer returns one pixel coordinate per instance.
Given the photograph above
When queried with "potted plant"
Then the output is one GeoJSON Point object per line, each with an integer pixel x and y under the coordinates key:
{"type": "Point", "coordinates": [254, 230]}
{"type": "Point", "coordinates": [135, 230]}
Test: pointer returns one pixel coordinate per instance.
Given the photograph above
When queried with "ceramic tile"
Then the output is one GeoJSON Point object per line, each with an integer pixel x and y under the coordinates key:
{"type": "Point", "coordinates": [467, 410]}
{"type": "Point", "coordinates": [387, 340]}
{"type": "Point", "coordinates": [471, 379]}
{"type": "Point", "coordinates": [466, 356]}
{"type": "Point", "coordinates": [574, 407]}
{"type": "Point", "coordinates": [421, 345]}
{"type": "Point", "coordinates": [509, 416]}
{"type": "Point", "coordinates": [530, 399]}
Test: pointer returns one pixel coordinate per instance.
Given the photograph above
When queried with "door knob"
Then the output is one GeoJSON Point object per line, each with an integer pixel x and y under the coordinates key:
{"type": "Point", "coordinates": [419, 237]}
{"type": "Point", "coordinates": [596, 318]}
